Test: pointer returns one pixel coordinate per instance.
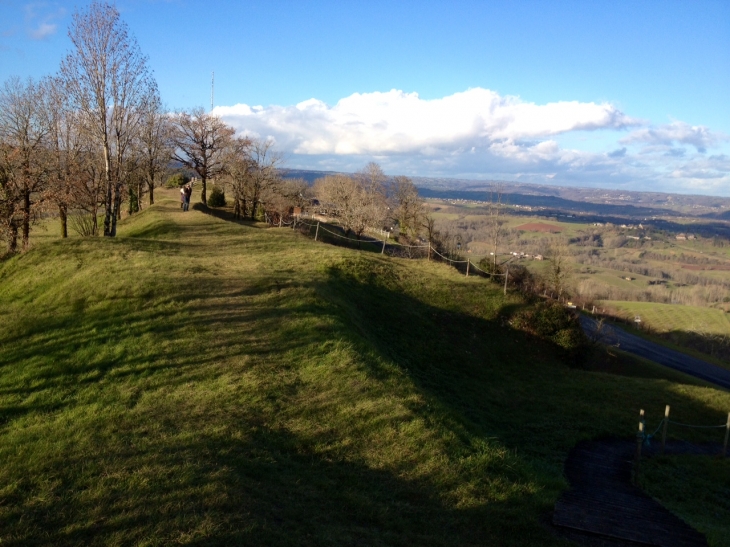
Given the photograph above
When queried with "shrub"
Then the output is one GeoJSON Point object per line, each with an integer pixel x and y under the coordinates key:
{"type": "Point", "coordinates": [551, 321]}
{"type": "Point", "coordinates": [217, 197]}
{"type": "Point", "coordinates": [177, 180]}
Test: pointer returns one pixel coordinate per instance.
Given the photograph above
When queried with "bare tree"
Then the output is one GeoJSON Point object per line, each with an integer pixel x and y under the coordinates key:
{"type": "Point", "coordinates": [200, 141]}
{"type": "Point", "coordinates": [107, 78]}
{"type": "Point", "coordinates": [408, 207]}
{"type": "Point", "coordinates": [495, 221]}
{"type": "Point", "coordinates": [154, 146]}
{"type": "Point", "coordinates": [237, 162]}
{"type": "Point", "coordinates": [24, 131]}
{"type": "Point", "coordinates": [264, 179]}
{"type": "Point", "coordinates": [559, 273]}
{"type": "Point", "coordinates": [358, 203]}
{"type": "Point", "coordinates": [68, 148]}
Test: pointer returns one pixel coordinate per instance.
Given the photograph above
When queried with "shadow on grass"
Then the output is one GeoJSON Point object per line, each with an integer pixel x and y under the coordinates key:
{"type": "Point", "coordinates": [225, 465]}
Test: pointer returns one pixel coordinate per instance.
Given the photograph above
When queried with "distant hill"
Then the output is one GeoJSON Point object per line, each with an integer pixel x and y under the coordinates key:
{"type": "Point", "coordinates": [622, 203]}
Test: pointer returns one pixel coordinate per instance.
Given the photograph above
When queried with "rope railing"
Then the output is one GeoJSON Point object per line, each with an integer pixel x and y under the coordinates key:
{"type": "Point", "coordinates": [391, 245]}
{"type": "Point", "coordinates": [642, 439]}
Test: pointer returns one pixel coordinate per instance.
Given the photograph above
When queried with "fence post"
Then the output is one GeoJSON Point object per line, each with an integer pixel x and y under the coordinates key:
{"type": "Point", "coordinates": [467, 267]}
{"type": "Point", "coordinates": [317, 232]}
{"type": "Point", "coordinates": [664, 427]}
{"type": "Point", "coordinates": [382, 251]}
{"type": "Point", "coordinates": [506, 275]}
{"type": "Point", "coordinates": [727, 434]}
{"type": "Point", "coordinates": [639, 442]}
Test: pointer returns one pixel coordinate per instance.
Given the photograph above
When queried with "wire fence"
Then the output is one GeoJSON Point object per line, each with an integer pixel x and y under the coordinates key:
{"type": "Point", "coordinates": [335, 235]}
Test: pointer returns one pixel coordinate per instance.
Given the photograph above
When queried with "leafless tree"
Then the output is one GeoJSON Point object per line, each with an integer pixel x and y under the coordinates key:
{"type": "Point", "coordinates": [237, 162]}
{"type": "Point", "coordinates": [154, 146]}
{"type": "Point", "coordinates": [68, 148]}
{"type": "Point", "coordinates": [495, 222]}
{"type": "Point", "coordinates": [358, 202]}
{"type": "Point", "coordinates": [200, 142]}
{"type": "Point", "coordinates": [264, 178]}
{"type": "Point", "coordinates": [24, 132]}
{"type": "Point", "coordinates": [559, 273]}
{"type": "Point", "coordinates": [408, 207]}
{"type": "Point", "coordinates": [107, 78]}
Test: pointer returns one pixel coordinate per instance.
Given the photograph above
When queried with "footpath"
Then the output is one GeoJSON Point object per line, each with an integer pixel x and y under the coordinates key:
{"type": "Point", "coordinates": [603, 507]}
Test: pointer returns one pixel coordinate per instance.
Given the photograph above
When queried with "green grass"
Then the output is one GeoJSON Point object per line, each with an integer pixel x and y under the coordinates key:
{"type": "Point", "coordinates": [664, 318]}
{"type": "Point", "coordinates": [198, 381]}
{"type": "Point", "coordinates": [697, 487]}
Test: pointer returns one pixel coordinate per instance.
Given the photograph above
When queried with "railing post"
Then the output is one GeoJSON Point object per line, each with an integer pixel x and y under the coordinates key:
{"type": "Point", "coordinates": [506, 275]}
{"type": "Point", "coordinates": [664, 427]}
{"type": "Point", "coordinates": [317, 232]}
{"type": "Point", "coordinates": [467, 267]}
{"type": "Point", "coordinates": [382, 251]}
{"type": "Point", "coordinates": [727, 434]}
{"type": "Point", "coordinates": [639, 442]}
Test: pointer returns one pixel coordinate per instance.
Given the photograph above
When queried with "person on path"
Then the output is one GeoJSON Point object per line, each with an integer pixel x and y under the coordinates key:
{"type": "Point", "coordinates": [182, 198]}
{"type": "Point", "coordinates": [188, 193]}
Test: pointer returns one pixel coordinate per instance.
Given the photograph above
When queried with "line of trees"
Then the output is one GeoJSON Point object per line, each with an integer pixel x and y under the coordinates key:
{"type": "Point", "coordinates": [95, 136]}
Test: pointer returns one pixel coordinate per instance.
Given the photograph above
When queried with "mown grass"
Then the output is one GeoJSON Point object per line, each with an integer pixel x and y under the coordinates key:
{"type": "Point", "coordinates": [664, 318]}
{"type": "Point", "coordinates": [198, 381]}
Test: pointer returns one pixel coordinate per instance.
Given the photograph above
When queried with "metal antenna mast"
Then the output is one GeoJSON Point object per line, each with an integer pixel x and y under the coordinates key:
{"type": "Point", "coordinates": [212, 89]}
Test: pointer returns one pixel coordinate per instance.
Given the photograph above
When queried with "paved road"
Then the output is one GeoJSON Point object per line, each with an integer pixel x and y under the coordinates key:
{"type": "Point", "coordinates": [615, 336]}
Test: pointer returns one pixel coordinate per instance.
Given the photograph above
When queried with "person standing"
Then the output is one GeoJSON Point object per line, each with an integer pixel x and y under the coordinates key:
{"type": "Point", "coordinates": [182, 198]}
{"type": "Point", "coordinates": [188, 193]}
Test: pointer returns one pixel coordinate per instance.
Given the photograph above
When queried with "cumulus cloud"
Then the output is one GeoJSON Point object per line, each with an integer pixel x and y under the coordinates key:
{"type": "Point", "coordinates": [479, 134]}
{"type": "Point", "coordinates": [668, 135]}
{"type": "Point", "coordinates": [399, 122]}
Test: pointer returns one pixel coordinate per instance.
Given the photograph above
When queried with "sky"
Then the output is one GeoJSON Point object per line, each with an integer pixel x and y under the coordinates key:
{"type": "Point", "coordinates": [623, 94]}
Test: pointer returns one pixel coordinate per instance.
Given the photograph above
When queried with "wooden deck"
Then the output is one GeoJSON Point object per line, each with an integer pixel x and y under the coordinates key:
{"type": "Point", "coordinates": [602, 502]}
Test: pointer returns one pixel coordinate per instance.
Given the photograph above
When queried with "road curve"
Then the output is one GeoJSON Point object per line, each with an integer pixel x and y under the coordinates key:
{"type": "Point", "coordinates": [614, 336]}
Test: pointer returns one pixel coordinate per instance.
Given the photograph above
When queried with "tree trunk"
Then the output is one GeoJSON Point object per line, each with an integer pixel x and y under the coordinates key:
{"type": "Point", "coordinates": [26, 219]}
{"type": "Point", "coordinates": [151, 188]}
{"type": "Point", "coordinates": [63, 214]}
{"type": "Point", "coordinates": [12, 238]}
{"type": "Point", "coordinates": [203, 195]}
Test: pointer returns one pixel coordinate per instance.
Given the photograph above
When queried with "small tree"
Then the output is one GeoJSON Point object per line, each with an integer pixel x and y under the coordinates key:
{"type": "Point", "coordinates": [559, 273]}
{"type": "Point", "coordinates": [200, 141]}
{"type": "Point", "coordinates": [408, 207]}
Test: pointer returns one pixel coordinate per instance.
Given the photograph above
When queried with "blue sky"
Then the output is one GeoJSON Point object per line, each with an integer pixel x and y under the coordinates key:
{"type": "Point", "coordinates": [622, 94]}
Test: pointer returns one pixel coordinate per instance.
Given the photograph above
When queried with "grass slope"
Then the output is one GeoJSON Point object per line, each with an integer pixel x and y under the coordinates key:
{"type": "Point", "coordinates": [197, 381]}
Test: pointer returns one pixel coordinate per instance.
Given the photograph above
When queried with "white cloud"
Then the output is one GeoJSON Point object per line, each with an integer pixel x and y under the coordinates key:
{"type": "Point", "coordinates": [44, 30]}
{"type": "Point", "coordinates": [668, 135]}
{"type": "Point", "coordinates": [481, 135]}
{"type": "Point", "coordinates": [40, 17]}
{"type": "Point", "coordinates": [397, 122]}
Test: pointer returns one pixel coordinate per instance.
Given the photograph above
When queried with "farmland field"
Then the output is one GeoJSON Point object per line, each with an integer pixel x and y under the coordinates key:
{"type": "Point", "coordinates": [664, 318]}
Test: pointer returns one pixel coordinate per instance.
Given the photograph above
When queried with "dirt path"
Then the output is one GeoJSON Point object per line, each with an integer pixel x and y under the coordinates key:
{"type": "Point", "coordinates": [602, 507]}
{"type": "Point", "coordinates": [682, 362]}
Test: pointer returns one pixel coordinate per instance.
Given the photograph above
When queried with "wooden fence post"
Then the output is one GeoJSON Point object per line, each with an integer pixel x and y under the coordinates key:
{"type": "Point", "coordinates": [382, 251]}
{"type": "Point", "coordinates": [727, 434]}
{"type": "Point", "coordinates": [639, 442]}
{"type": "Point", "coordinates": [317, 232]}
{"type": "Point", "coordinates": [467, 267]}
{"type": "Point", "coordinates": [665, 425]}
{"type": "Point", "coordinates": [506, 275]}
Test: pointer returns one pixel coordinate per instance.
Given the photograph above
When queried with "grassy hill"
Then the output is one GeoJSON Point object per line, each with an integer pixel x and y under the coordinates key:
{"type": "Point", "coordinates": [198, 381]}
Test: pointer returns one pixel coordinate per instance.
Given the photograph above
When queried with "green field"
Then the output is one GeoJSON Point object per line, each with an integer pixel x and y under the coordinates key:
{"type": "Point", "coordinates": [665, 318]}
{"type": "Point", "coordinates": [199, 381]}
